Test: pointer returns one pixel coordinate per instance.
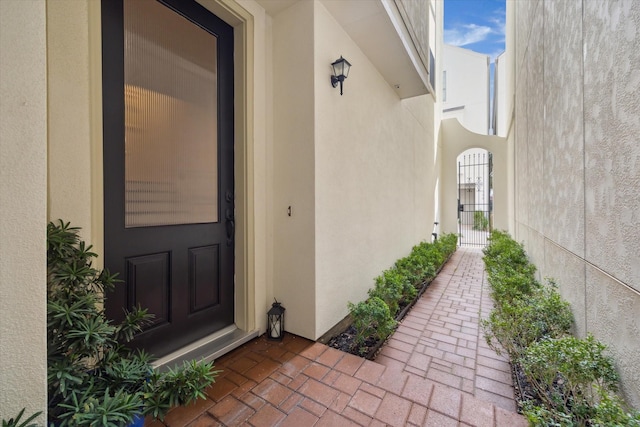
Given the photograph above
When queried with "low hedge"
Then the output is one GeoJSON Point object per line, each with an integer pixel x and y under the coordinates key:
{"type": "Point", "coordinates": [515, 325]}
{"type": "Point", "coordinates": [573, 380]}
{"type": "Point", "coordinates": [398, 286]}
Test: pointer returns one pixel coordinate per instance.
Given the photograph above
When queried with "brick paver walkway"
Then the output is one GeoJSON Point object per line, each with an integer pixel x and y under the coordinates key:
{"type": "Point", "coordinates": [435, 370]}
{"type": "Point", "coordinates": [440, 338]}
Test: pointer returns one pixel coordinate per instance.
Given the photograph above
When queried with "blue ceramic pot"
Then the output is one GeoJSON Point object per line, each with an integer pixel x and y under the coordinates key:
{"type": "Point", "coordinates": [138, 421]}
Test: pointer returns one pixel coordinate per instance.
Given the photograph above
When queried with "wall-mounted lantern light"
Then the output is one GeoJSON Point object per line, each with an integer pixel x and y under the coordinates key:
{"type": "Point", "coordinates": [340, 72]}
{"type": "Point", "coordinates": [275, 322]}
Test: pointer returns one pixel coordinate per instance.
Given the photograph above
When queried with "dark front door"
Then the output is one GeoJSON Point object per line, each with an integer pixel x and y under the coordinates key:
{"type": "Point", "coordinates": [168, 167]}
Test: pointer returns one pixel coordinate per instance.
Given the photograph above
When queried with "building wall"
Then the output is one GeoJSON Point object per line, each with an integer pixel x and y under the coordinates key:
{"type": "Point", "coordinates": [23, 208]}
{"type": "Point", "coordinates": [467, 101]}
{"type": "Point", "coordinates": [294, 166]}
{"type": "Point", "coordinates": [455, 139]}
{"type": "Point", "coordinates": [290, 124]}
{"type": "Point", "coordinates": [357, 170]}
{"type": "Point", "coordinates": [467, 88]}
{"type": "Point", "coordinates": [75, 124]}
{"type": "Point", "coordinates": [577, 163]}
{"type": "Point", "coordinates": [373, 174]}
{"type": "Point", "coordinates": [502, 98]}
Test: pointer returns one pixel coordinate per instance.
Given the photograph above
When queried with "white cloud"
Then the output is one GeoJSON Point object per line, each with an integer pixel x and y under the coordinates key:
{"type": "Point", "coordinates": [498, 23]}
{"type": "Point", "coordinates": [466, 34]}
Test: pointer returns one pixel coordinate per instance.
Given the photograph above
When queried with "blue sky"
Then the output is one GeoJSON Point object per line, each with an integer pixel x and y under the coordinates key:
{"type": "Point", "coordinates": [477, 25]}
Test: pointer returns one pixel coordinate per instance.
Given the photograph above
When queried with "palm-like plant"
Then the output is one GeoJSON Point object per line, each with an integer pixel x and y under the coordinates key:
{"type": "Point", "coordinates": [93, 378]}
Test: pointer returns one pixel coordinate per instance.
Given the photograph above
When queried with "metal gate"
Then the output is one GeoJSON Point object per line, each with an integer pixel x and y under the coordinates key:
{"type": "Point", "coordinates": [475, 198]}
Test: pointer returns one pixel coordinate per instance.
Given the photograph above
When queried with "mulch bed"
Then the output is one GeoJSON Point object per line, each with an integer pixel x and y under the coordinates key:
{"type": "Point", "coordinates": [523, 390]}
{"type": "Point", "coordinates": [345, 341]}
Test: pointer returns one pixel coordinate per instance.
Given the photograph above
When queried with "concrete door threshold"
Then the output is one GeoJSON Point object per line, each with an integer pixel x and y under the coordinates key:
{"type": "Point", "coordinates": [208, 348]}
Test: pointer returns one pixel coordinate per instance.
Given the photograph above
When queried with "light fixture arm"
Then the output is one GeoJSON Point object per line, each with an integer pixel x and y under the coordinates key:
{"type": "Point", "coordinates": [335, 80]}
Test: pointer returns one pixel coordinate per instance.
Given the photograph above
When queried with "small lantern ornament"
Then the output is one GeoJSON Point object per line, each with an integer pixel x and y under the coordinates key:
{"type": "Point", "coordinates": [275, 322]}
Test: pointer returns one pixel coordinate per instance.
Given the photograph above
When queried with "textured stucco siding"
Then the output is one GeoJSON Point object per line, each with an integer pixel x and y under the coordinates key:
{"type": "Point", "coordinates": [577, 163]}
{"type": "Point", "coordinates": [23, 208]}
{"type": "Point", "coordinates": [564, 138]}
{"type": "Point", "coordinates": [568, 270]}
{"type": "Point", "coordinates": [612, 137]}
{"type": "Point", "coordinates": [612, 316]}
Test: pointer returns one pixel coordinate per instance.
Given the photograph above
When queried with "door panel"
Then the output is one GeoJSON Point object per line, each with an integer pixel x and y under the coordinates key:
{"type": "Point", "coordinates": [168, 167]}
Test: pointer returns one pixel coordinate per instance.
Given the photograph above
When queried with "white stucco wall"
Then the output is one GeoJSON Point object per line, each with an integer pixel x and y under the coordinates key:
{"type": "Point", "coordinates": [23, 208]}
{"type": "Point", "coordinates": [456, 139]}
{"type": "Point", "coordinates": [358, 171]}
{"type": "Point", "coordinates": [294, 167]}
{"type": "Point", "coordinates": [502, 98]}
{"type": "Point", "coordinates": [577, 163]}
{"type": "Point", "coordinates": [373, 183]}
{"type": "Point", "coordinates": [467, 87]}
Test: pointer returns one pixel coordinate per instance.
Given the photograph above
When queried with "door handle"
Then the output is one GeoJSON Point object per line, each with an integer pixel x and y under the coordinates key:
{"type": "Point", "coordinates": [231, 227]}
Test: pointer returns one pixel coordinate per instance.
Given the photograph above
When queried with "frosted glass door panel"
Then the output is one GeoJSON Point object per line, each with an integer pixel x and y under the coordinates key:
{"type": "Point", "coordinates": [171, 142]}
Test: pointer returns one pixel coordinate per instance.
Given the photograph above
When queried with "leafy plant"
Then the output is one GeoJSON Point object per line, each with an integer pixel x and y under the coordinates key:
{"type": "Point", "coordinates": [519, 322]}
{"type": "Point", "coordinates": [393, 288]}
{"type": "Point", "coordinates": [610, 411]}
{"type": "Point", "coordinates": [429, 254]}
{"type": "Point", "coordinates": [414, 270]}
{"type": "Point", "coordinates": [371, 318]}
{"type": "Point", "coordinates": [573, 380]}
{"type": "Point", "coordinates": [508, 284]}
{"type": "Point", "coordinates": [480, 221]}
{"type": "Point", "coordinates": [568, 373]}
{"type": "Point", "coordinates": [447, 243]}
{"type": "Point", "coordinates": [15, 422]}
{"type": "Point", "coordinates": [93, 379]}
{"type": "Point", "coordinates": [502, 250]}
{"type": "Point", "coordinates": [374, 318]}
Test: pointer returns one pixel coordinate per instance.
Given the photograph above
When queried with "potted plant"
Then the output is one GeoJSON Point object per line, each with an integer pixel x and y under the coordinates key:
{"type": "Point", "coordinates": [93, 378]}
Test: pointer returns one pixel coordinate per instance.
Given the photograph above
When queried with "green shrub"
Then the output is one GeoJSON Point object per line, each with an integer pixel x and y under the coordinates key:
{"type": "Point", "coordinates": [393, 288]}
{"type": "Point", "coordinates": [509, 271]}
{"type": "Point", "coordinates": [426, 258]}
{"type": "Point", "coordinates": [523, 321]}
{"type": "Point", "coordinates": [480, 221]}
{"type": "Point", "coordinates": [430, 254]}
{"type": "Point", "coordinates": [374, 318]}
{"type": "Point", "coordinates": [502, 250]}
{"type": "Point", "coordinates": [414, 270]}
{"type": "Point", "coordinates": [447, 243]}
{"type": "Point", "coordinates": [570, 376]}
{"type": "Point", "coordinates": [92, 378]}
{"type": "Point", "coordinates": [371, 318]}
{"type": "Point", "coordinates": [610, 411]}
{"type": "Point", "coordinates": [574, 381]}
{"type": "Point", "coordinates": [508, 284]}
